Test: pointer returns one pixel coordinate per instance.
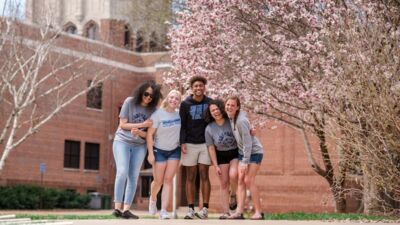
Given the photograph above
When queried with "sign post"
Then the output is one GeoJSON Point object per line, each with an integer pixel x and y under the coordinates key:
{"type": "Point", "coordinates": [42, 169]}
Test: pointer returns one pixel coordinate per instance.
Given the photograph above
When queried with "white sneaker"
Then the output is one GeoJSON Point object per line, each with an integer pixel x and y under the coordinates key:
{"type": "Point", "coordinates": [152, 207]}
{"type": "Point", "coordinates": [164, 214]}
{"type": "Point", "coordinates": [203, 213]}
{"type": "Point", "coordinates": [190, 214]}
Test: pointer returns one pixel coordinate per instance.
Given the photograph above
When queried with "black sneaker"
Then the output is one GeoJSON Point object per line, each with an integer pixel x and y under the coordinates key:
{"type": "Point", "coordinates": [128, 215]}
{"type": "Point", "coordinates": [117, 213]}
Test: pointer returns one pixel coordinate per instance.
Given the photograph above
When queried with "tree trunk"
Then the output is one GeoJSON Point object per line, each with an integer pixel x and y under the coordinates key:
{"type": "Point", "coordinates": [370, 198]}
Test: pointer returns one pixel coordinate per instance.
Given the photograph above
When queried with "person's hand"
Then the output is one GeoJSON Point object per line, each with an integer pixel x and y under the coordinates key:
{"type": "Point", "coordinates": [135, 131]}
{"type": "Point", "coordinates": [253, 131]}
{"type": "Point", "coordinates": [147, 123]}
{"type": "Point", "coordinates": [243, 168]}
{"type": "Point", "coordinates": [183, 148]}
{"type": "Point", "coordinates": [151, 159]}
{"type": "Point", "coordinates": [218, 170]}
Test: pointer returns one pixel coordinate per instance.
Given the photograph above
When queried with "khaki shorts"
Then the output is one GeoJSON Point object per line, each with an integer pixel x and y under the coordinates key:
{"type": "Point", "coordinates": [195, 154]}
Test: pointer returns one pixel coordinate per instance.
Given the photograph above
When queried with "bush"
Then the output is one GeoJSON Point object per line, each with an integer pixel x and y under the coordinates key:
{"type": "Point", "coordinates": [33, 197]}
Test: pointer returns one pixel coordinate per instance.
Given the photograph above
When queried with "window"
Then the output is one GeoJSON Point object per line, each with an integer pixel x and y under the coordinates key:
{"type": "Point", "coordinates": [92, 31]}
{"type": "Point", "coordinates": [94, 95]}
{"type": "Point", "coordinates": [139, 42]}
{"type": "Point", "coordinates": [153, 42]}
{"type": "Point", "coordinates": [72, 151]}
{"type": "Point", "coordinates": [92, 156]}
{"type": "Point", "coordinates": [71, 29]}
{"type": "Point", "coordinates": [127, 37]}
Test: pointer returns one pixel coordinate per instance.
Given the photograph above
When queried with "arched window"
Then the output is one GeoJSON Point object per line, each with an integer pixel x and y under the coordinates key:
{"type": "Point", "coordinates": [153, 44]}
{"type": "Point", "coordinates": [92, 31]}
{"type": "Point", "coordinates": [127, 37]}
{"type": "Point", "coordinates": [139, 42]}
{"type": "Point", "coordinates": [70, 28]}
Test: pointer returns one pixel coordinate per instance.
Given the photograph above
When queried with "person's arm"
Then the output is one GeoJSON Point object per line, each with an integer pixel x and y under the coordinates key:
{"type": "Point", "coordinates": [243, 127]}
{"type": "Point", "coordinates": [150, 143]}
{"type": "Point", "coordinates": [182, 135]}
{"type": "Point", "coordinates": [213, 157]}
{"type": "Point", "coordinates": [138, 132]}
{"type": "Point", "coordinates": [123, 124]}
{"type": "Point", "coordinates": [124, 115]}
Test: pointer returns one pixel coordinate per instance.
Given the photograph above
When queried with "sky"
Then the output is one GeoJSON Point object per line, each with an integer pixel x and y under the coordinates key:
{"type": "Point", "coordinates": [7, 7]}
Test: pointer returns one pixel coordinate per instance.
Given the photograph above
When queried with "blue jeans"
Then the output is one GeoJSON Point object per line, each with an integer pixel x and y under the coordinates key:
{"type": "Point", "coordinates": [128, 160]}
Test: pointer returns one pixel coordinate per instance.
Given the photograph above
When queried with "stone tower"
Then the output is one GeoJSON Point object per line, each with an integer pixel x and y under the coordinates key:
{"type": "Point", "coordinates": [135, 25]}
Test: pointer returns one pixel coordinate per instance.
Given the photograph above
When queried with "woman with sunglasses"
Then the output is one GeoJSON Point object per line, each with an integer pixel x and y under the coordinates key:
{"type": "Point", "coordinates": [129, 146]}
{"type": "Point", "coordinates": [250, 157]}
{"type": "Point", "coordinates": [164, 151]}
{"type": "Point", "coordinates": [222, 149]}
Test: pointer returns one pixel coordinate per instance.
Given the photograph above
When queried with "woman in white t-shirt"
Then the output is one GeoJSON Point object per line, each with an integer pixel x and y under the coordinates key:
{"type": "Point", "coordinates": [164, 150]}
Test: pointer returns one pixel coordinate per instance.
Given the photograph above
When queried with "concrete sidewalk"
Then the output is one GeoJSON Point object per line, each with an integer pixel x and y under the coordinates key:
{"type": "Point", "coordinates": [216, 222]}
{"type": "Point", "coordinates": [145, 219]}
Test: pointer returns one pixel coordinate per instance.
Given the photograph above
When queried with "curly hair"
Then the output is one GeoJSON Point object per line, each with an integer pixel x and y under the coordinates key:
{"type": "Point", "coordinates": [220, 104]}
{"type": "Point", "coordinates": [197, 78]}
{"type": "Point", "coordinates": [139, 91]}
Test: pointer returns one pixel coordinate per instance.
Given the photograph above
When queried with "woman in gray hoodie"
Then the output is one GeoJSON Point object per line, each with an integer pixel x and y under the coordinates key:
{"type": "Point", "coordinates": [250, 157]}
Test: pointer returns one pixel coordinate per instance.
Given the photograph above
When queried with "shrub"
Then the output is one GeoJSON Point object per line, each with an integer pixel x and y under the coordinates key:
{"type": "Point", "coordinates": [33, 197]}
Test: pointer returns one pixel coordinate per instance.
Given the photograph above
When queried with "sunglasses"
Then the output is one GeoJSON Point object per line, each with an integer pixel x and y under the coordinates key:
{"type": "Point", "coordinates": [147, 94]}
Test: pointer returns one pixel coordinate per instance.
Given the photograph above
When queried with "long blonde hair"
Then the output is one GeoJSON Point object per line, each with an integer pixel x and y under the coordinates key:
{"type": "Point", "coordinates": [164, 103]}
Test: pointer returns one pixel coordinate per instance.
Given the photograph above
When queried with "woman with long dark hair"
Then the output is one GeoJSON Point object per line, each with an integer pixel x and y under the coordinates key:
{"type": "Point", "coordinates": [223, 150]}
{"type": "Point", "coordinates": [129, 146]}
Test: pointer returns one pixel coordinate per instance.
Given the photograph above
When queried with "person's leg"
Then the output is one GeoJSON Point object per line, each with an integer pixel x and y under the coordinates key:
{"type": "Point", "coordinates": [204, 163]}
{"type": "Point", "coordinates": [233, 182]}
{"type": "Point", "coordinates": [191, 173]}
{"type": "Point", "coordinates": [250, 184]}
{"type": "Point", "coordinates": [170, 172]}
{"type": "Point", "coordinates": [240, 195]}
{"type": "Point", "coordinates": [158, 172]}
{"type": "Point", "coordinates": [189, 161]}
{"type": "Point", "coordinates": [137, 155]}
{"type": "Point", "coordinates": [205, 184]}
{"type": "Point", "coordinates": [224, 180]}
{"type": "Point", "coordinates": [121, 157]}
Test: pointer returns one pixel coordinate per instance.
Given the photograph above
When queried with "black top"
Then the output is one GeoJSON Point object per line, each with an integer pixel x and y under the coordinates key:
{"type": "Point", "coordinates": [192, 119]}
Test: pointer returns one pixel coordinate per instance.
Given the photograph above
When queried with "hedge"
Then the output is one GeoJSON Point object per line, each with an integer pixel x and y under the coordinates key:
{"type": "Point", "coordinates": [34, 197]}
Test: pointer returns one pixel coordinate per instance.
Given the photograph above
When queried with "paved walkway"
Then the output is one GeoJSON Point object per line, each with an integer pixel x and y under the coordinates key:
{"type": "Point", "coordinates": [174, 221]}
{"type": "Point", "coordinates": [214, 222]}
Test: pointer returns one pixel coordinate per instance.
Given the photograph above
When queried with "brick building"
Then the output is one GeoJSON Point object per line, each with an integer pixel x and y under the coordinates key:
{"type": "Point", "coordinates": [76, 145]}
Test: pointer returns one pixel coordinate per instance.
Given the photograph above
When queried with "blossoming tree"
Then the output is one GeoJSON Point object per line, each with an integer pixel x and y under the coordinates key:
{"type": "Point", "coordinates": [284, 58]}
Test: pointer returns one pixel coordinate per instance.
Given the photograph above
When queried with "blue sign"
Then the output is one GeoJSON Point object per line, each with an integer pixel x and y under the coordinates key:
{"type": "Point", "coordinates": [42, 167]}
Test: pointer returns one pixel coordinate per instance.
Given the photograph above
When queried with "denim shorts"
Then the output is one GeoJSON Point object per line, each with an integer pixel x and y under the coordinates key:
{"type": "Point", "coordinates": [254, 158]}
{"type": "Point", "coordinates": [164, 155]}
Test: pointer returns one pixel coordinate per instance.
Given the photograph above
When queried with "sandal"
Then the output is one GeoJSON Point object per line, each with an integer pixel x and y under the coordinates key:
{"type": "Point", "coordinates": [261, 217]}
{"type": "Point", "coordinates": [237, 216]}
{"type": "Point", "coordinates": [225, 216]}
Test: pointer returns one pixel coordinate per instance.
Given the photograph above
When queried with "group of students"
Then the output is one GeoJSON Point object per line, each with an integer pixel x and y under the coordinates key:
{"type": "Point", "coordinates": [203, 132]}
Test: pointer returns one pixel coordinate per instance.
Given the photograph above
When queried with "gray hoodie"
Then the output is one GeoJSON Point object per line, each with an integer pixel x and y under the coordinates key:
{"type": "Point", "coordinates": [247, 143]}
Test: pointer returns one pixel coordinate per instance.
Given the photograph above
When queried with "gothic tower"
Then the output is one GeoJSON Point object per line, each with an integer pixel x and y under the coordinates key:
{"type": "Point", "coordinates": [135, 25]}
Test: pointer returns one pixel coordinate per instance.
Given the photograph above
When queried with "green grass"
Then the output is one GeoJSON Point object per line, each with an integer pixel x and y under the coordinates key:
{"type": "Point", "coordinates": [324, 216]}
